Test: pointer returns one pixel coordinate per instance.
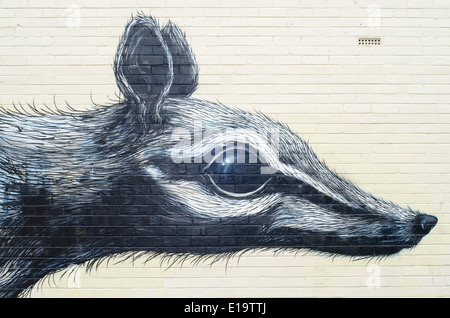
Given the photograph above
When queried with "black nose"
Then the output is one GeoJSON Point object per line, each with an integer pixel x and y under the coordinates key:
{"type": "Point", "coordinates": [424, 223]}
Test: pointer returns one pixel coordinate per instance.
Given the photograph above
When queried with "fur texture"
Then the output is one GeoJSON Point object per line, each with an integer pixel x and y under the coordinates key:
{"type": "Point", "coordinates": [165, 173]}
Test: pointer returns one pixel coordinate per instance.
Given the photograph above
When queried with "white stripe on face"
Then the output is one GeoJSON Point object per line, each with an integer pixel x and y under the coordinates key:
{"type": "Point", "coordinates": [203, 203]}
{"type": "Point", "coordinates": [203, 145]}
{"type": "Point", "coordinates": [201, 149]}
{"type": "Point", "coordinates": [306, 167]}
{"type": "Point", "coordinates": [300, 214]}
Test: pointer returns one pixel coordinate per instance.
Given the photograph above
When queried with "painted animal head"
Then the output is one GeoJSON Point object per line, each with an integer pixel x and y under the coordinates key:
{"type": "Point", "coordinates": [242, 179]}
{"type": "Point", "coordinates": [163, 172]}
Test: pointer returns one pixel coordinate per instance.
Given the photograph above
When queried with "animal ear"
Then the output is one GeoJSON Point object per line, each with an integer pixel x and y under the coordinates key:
{"type": "Point", "coordinates": [143, 68]}
{"type": "Point", "coordinates": [185, 69]}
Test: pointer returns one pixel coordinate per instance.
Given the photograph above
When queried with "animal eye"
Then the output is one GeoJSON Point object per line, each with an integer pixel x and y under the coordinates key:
{"type": "Point", "coordinates": [239, 172]}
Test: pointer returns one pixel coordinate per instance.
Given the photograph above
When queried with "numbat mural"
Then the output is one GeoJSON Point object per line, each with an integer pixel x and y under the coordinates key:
{"type": "Point", "coordinates": [165, 173]}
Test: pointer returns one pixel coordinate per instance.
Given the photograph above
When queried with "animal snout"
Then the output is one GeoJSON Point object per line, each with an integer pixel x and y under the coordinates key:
{"type": "Point", "coordinates": [423, 223]}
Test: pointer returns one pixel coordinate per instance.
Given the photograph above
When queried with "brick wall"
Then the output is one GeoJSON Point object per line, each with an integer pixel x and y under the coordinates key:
{"type": "Point", "coordinates": [378, 115]}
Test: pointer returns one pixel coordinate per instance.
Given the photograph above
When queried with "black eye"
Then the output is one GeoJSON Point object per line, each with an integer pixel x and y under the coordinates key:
{"type": "Point", "coordinates": [239, 172]}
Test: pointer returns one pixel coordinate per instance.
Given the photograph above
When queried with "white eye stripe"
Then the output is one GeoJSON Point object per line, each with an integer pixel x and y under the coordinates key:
{"type": "Point", "coordinates": [275, 165]}
{"type": "Point", "coordinates": [199, 149]}
{"type": "Point", "coordinates": [316, 217]}
{"type": "Point", "coordinates": [308, 169]}
{"type": "Point", "coordinates": [306, 178]}
{"type": "Point", "coordinates": [199, 202]}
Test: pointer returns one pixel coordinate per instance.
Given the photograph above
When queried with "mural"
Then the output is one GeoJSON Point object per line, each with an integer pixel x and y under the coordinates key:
{"type": "Point", "coordinates": [162, 172]}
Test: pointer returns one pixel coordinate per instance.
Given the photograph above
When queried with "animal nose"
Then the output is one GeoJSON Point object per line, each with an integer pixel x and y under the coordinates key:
{"type": "Point", "coordinates": [424, 223]}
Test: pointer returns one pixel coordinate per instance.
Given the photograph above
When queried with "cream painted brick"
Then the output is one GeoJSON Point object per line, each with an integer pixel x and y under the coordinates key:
{"type": "Point", "coordinates": [379, 115]}
{"type": "Point", "coordinates": [14, 3]}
